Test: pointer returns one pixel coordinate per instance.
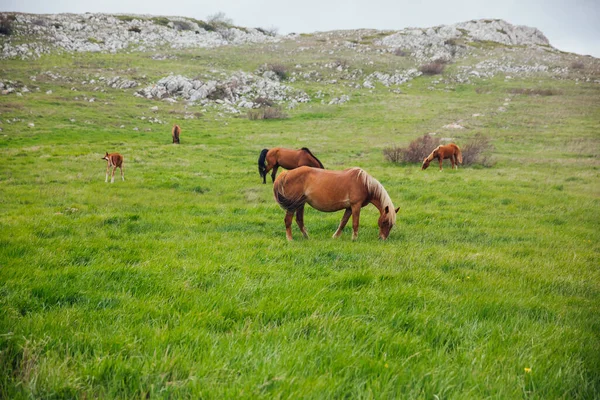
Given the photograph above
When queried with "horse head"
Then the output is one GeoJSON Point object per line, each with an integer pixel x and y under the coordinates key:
{"type": "Point", "coordinates": [426, 162]}
{"type": "Point", "coordinates": [385, 222]}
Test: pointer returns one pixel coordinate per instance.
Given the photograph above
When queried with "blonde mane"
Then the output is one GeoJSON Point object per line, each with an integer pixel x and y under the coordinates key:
{"type": "Point", "coordinates": [377, 190]}
{"type": "Point", "coordinates": [430, 156]}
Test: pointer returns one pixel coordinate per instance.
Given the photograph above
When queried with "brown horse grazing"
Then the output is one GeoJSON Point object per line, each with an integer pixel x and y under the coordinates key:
{"type": "Point", "coordinates": [450, 151]}
{"type": "Point", "coordinates": [329, 191]}
{"type": "Point", "coordinates": [113, 160]}
{"type": "Point", "coordinates": [175, 133]}
{"type": "Point", "coordinates": [286, 158]}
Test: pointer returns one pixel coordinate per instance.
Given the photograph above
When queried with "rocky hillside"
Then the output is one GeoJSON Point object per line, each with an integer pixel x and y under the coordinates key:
{"type": "Point", "coordinates": [112, 33]}
{"type": "Point", "coordinates": [337, 62]}
{"type": "Point", "coordinates": [34, 35]}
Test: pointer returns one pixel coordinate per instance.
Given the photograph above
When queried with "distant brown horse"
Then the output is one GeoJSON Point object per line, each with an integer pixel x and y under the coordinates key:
{"type": "Point", "coordinates": [114, 160]}
{"type": "Point", "coordinates": [286, 158]}
{"type": "Point", "coordinates": [176, 131]}
{"type": "Point", "coordinates": [329, 191]}
{"type": "Point", "coordinates": [450, 151]}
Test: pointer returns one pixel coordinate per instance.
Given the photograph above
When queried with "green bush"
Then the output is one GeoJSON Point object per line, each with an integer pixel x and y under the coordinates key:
{"type": "Point", "coordinates": [6, 24]}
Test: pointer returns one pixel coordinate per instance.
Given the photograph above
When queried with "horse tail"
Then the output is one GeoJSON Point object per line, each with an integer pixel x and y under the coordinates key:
{"type": "Point", "coordinates": [261, 163]}
{"type": "Point", "coordinates": [313, 156]}
{"type": "Point", "coordinates": [287, 203]}
{"type": "Point", "coordinates": [459, 155]}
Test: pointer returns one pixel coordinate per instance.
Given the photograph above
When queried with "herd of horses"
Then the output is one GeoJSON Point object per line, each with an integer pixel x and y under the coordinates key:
{"type": "Point", "coordinates": [307, 181]}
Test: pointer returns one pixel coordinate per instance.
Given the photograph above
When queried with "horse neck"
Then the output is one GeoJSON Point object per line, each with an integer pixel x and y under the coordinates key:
{"type": "Point", "coordinates": [432, 155]}
{"type": "Point", "coordinates": [378, 196]}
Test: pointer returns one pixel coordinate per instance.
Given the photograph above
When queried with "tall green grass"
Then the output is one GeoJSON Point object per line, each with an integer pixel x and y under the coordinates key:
{"type": "Point", "coordinates": [179, 282]}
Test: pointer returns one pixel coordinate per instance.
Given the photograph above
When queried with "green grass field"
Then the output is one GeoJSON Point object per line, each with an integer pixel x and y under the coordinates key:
{"type": "Point", "coordinates": [179, 282]}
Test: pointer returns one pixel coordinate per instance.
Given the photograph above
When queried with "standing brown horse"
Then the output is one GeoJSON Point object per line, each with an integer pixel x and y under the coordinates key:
{"type": "Point", "coordinates": [450, 151]}
{"type": "Point", "coordinates": [329, 191]}
{"type": "Point", "coordinates": [114, 160]}
{"type": "Point", "coordinates": [175, 133]}
{"type": "Point", "coordinates": [286, 158]}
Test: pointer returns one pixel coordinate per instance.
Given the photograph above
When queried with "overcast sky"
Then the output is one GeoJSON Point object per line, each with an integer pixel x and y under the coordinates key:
{"type": "Point", "coordinates": [570, 25]}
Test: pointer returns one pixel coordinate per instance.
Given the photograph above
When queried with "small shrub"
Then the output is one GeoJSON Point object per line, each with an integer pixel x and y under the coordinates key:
{"type": "Point", "coordinates": [219, 19]}
{"type": "Point", "coordinates": [38, 22]}
{"type": "Point", "coordinates": [266, 113]}
{"type": "Point", "coordinates": [220, 93]}
{"type": "Point", "coordinates": [272, 31]}
{"type": "Point", "coordinates": [254, 115]}
{"type": "Point", "coordinates": [203, 25]}
{"type": "Point", "coordinates": [57, 25]}
{"type": "Point", "coordinates": [226, 33]}
{"type": "Point", "coordinates": [263, 102]}
{"type": "Point", "coordinates": [433, 68]}
{"type": "Point", "coordinates": [135, 29]}
{"type": "Point", "coordinates": [393, 153]}
{"type": "Point", "coordinates": [577, 65]}
{"type": "Point", "coordinates": [6, 24]}
{"type": "Point", "coordinates": [279, 69]}
{"type": "Point", "coordinates": [400, 53]}
{"type": "Point", "coordinates": [416, 151]}
{"type": "Point", "coordinates": [451, 42]}
{"type": "Point", "coordinates": [274, 113]}
{"type": "Point", "coordinates": [182, 26]}
{"type": "Point", "coordinates": [477, 151]}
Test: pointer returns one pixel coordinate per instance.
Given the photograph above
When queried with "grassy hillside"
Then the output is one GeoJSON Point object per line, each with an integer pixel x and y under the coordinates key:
{"type": "Point", "coordinates": [179, 282]}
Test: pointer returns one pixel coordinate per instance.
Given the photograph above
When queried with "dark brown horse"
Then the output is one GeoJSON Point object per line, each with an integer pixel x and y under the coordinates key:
{"type": "Point", "coordinates": [114, 160]}
{"type": "Point", "coordinates": [286, 158]}
{"type": "Point", "coordinates": [175, 133]}
{"type": "Point", "coordinates": [329, 191]}
{"type": "Point", "coordinates": [450, 151]}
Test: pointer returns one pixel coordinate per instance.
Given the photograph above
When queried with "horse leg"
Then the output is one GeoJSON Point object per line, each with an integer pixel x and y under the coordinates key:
{"type": "Point", "coordinates": [440, 159]}
{"type": "Point", "coordinates": [300, 220]}
{"type": "Point", "coordinates": [112, 179]}
{"type": "Point", "coordinates": [343, 223]}
{"type": "Point", "coordinates": [122, 175]}
{"type": "Point", "coordinates": [355, 219]}
{"type": "Point", "coordinates": [289, 215]}
{"type": "Point", "coordinates": [267, 169]}
{"type": "Point", "coordinates": [274, 173]}
{"type": "Point", "coordinates": [107, 169]}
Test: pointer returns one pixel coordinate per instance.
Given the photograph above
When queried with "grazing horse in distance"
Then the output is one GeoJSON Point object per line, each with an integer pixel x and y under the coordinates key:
{"type": "Point", "coordinates": [329, 191]}
{"type": "Point", "coordinates": [286, 158]}
{"type": "Point", "coordinates": [175, 133]}
{"type": "Point", "coordinates": [113, 160]}
{"type": "Point", "coordinates": [450, 151]}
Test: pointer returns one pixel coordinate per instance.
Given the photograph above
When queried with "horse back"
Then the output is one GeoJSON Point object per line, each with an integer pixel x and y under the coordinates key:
{"type": "Point", "coordinates": [325, 190]}
{"type": "Point", "coordinates": [448, 150]}
{"type": "Point", "coordinates": [116, 159]}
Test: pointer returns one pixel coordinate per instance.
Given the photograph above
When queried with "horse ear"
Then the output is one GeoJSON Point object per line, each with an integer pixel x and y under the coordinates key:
{"type": "Point", "coordinates": [396, 210]}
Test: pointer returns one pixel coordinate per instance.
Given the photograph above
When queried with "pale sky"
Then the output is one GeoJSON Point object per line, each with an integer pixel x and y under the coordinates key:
{"type": "Point", "coordinates": [570, 25]}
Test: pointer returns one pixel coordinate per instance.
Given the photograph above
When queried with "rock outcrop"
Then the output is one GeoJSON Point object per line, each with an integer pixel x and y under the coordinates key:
{"type": "Point", "coordinates": [446, 41]}
{"type": "Point", "coordinates": [112, 33]}
{"type": "Point", "coordinates": [240, 90]}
